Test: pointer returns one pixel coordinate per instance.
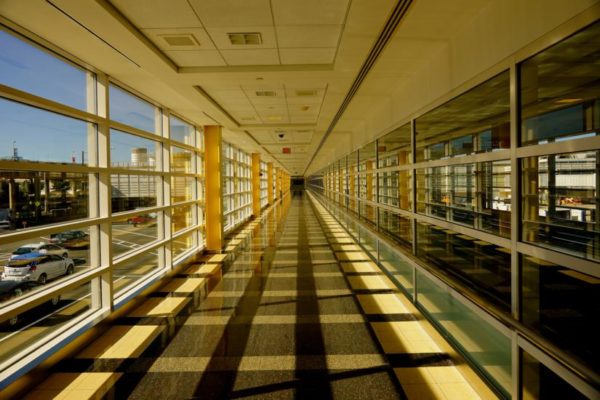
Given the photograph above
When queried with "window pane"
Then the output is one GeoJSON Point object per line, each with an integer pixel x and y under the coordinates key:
{"type": "Point", "coordinates": [35, 198]}
{"type": "Point", "coordinates": [182, 243]}
{"type": "Point", "coordinates": [181, 218]}
{"type": "Point", "coordinates": [130, 192]}
{"type": "Point", "coordinates": [483, 266]}
{"type": "Point", "coordinates": [395, 148]}
{"type": "Point", "coordinates": [32, 70]}
{"type": "Point", "coordinates": [181, 131]}
{"type": "Point", "coordinates": [32, 134]}
{"type": "Point", "coordinates": [552, 112]}
{"type": "Point", "coordinates": [457, 127]}
{"type": "Point", "coordinates": [133, 152]}
{"type": "Point", "coordinates": [130, 271]}
{"type": "Point", "coordinates": [480, 341]}
{"type": "Point", "coordinates": [539, 382]}
{"type": "Point", "coordinates": [560, 203]}
{"type": "Point", "coordinates": [397, 227]}
{"type": "Point", "coordinates": [559, 303]}
{"type": "Point", "coordinates": [181, 160]}
{"type": "Point", "coordinates": [182, 188]}
{"type": "Point", "coordinates": [44, 319]}
{"type": "Point", "coordinates": [131, 110]}
{"type": "Point", "coordinates": [132, 232]}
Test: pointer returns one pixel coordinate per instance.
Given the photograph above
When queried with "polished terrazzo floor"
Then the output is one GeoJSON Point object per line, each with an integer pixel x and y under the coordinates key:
{"type": "Point", "coordinates": [301, 313]}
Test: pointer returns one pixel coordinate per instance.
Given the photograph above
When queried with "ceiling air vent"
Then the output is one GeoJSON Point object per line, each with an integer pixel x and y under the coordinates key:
{"type": "Point", "coordinates": [245, 38]}
{"type": "Point", "coordinates": [306, 93]}
{"type": "Point", "coordinates": [266, 93]}
{"type": "Point", "coordinates": [186, 39]}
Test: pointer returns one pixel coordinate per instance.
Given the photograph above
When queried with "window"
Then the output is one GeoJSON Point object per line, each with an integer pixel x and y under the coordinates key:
{"type": "Point", "coordinates": [133, 111]}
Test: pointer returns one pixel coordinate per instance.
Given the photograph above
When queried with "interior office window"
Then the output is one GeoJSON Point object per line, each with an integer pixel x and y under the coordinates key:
{"type": "Point", "coordinates": [26, 67]}
{"type": "Point", "coordinates": [560, 202]}
{"type": "Point", "coordinates": [552, 112]}
{"type": "Point", "coordinates": [182, 131]}
{"type": "Point", "coordinates": [475, 121]}
{"type": "Point", "coordinates": [133, 111]}
{"type": "Point", "coordinates": [539, 382]}
{"type": "Point", "coordinates": [134, 152]}
{"type": "Point", "coordinates": [559, 303]}
{"type": "Point", "coordinates": [30, 134]}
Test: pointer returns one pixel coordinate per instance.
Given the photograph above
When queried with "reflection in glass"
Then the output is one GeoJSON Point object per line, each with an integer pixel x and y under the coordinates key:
{"type": "Point", "coordinates": [539, 382]}
{"type": "Point", "coordinates": [132, 232]}
{"type": "Point", "coordinates": [181, 160]}
{"type": "Point", "coordinates": [44, 319]}
{"type": "Point", "coordinates": [182, 188]}
{"type": "Point", "coordinates": [131, 110]}
{"type": "Point", "coordinates": [28, 68]}
{"type": "Point", "coordinates": [181, 131]}
{"type": "Point", "coordinates": [482, 266]}
{"type": "Point", "coordinates": [559, 303]}
{"type": "Point", "coordinates": [481, 342]}
{"type": "Point", "coordinates": [560, 202]}
{"type": "Point", "coordinates": [181, 244]}
{"type": "Point", "coordinates": [395, 148]}
{"type": "Point", "coordinates": [477, 120]}
{"type": "Point", "coordinates": [130, 192]}
{"type": "Point", "coordinates": [35, 198]}
{"type": "Point", "coordinates": [181, 218]}
{"type": "Point", "coordinates": [397, 227]}
{"type": "Point", "coordinates": [552, 112]}
{"type": "Point", "coordinates": [133, 152]}
{"type": "Point", "coordinates": [401, 270]}
{"type": "Point", "coordinates": [129, 272]}
{"type": "Point", "coordinates": [32, 134]}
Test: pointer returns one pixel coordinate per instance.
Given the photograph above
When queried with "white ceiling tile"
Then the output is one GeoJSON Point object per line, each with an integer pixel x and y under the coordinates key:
{"type": "Point", "coordinates": [251, 57]}
{"type": "Point", "coordinates": [158, 13]}
{"type": "Point", "coordinates": [214, 13]}
{"type": "Point", "coordinates": [221, 39]}
{"type": "Point", "coordinates": [308, 35]}
{"type": "Point", "coordinates": [309, 12]}
{"type": "Point", "coordinates": [196, 58]}
{"type": "Point", "coordinates": [307, 56]}
{"type": "Point", "coordinates": [158, 37]}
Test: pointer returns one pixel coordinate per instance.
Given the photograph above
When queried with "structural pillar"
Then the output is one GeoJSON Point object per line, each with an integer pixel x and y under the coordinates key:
{"type": "Point", "coordinates": [256, 185]}
{"type": "Point", "coordinates": [278, 188]}
{"type": "Point", "coordinates": [270, 182]}
{"type": "Point", "coordinates": [214, 187]}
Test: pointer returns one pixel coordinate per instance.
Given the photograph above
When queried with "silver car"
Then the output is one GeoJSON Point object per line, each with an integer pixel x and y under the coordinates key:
{"type": "Point", "coordinates": [38, 267]}
{"type": "Point", "coordinates": [42, 248]}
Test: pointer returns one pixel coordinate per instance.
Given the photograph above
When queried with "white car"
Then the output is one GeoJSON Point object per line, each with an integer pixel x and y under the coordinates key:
{"type": "Point", "coordinates": [42, 248]}
{"type": "Point", "coordinates": [37, 267]}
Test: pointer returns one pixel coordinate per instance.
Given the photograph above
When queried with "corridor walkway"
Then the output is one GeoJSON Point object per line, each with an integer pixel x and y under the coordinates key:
{"type": "Point", "coordinates": [301, 313]}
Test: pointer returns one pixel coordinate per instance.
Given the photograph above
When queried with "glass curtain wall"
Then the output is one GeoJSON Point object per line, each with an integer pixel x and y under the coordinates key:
{"type": "Point", "coordinates": [507, 210]}
{"type": "Point", "coordinates": [85, 196]}
{"type": "Point", "coordinates": [237, 186]}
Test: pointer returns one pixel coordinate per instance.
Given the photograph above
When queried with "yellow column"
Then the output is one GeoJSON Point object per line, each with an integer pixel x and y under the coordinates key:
{"type": "Point", "coordinates": [278, 188]}
{"type": "Point", "coordinates": [369, 189]}
{"type": "Point", "coordinates": [403, 182]}
{"type": "Point", "coordinates": [214, 186]}
{"type": "Point", "coordinates": [270, 182]}
{"type": "Point", "coordinates": [256, 184]}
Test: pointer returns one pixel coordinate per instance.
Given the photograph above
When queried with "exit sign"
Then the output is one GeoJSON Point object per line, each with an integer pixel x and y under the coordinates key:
{"type": "Point", "coordinates": [287, 150]}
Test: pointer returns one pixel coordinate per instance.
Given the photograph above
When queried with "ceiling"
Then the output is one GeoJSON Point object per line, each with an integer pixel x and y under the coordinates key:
{"type": "Point", "coordinates": [284, 73]}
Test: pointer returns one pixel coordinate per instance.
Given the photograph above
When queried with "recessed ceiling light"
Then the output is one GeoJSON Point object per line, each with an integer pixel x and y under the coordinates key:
{"type": "Point", "coordinates": [266, 93]}
{"type": "Point", "coordinates": [245, 38]}
{"type": "Point", "coordinates": [273, 118]}
{"type": "Point", "coordinates": [306, 93]}
{"type": "Point", "coordinates": [186, 39]}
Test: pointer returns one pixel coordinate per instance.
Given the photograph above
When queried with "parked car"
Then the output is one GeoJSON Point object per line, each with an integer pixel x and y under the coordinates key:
{"type": "Point", "coordinates": [12, 289]}
{"type": "Point", "coordinates": [71, 239]}
{"type": "Point", "coordinates": [141, 219]}
{"type": "Point", "coordinates": [37, 267]}
{"type": "Point", "coordinates": [42, 248]}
